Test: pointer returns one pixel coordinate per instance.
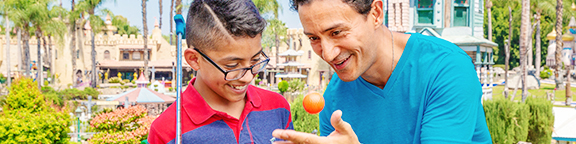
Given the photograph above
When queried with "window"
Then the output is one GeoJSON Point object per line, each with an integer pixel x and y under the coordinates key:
{"type": "Point", "coordinates": [425, 10]}
{"type": "Point", "coordinates": [136, 55]}
{"type": "Point", "coordinates": [309, 54]}
{"type": "Point", "coordinates": [125, 55]}
{"type": "Point", "coordinates": [77, 54]}
{"type": "Point", "coordinates": [56, 54]}
{"type": "Point", "coordinates": [106, 54]}
{"type": "Point", "coordinates": [461, 12]}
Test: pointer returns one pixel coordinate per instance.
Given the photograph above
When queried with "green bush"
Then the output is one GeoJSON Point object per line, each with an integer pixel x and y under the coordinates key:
{"type": "Point", "coordinates": [257, 81]}
{"type": "Point", "coordinates": [546, 73]}
{"type": "Point", "coordinates": [28, 119]}
{"type": "Point", "coordinates": [510, 122]}
{"type": "Point", "coordinates": [542, 120]}
{"type": "Point", "coordinates": [296, 85]}
{"type": "Point", "coordinates": [302, 120]}
{"type": "Point", "coordinates": [74, 93]}
{"type": "Point", "coordinates": [114, 80]}
{"type": "Point", "coordinates": [507, 121]}
{"type": "Point", "coordinates": [282, 86]}
{"type": "Point", "coordinates": [126, 81]}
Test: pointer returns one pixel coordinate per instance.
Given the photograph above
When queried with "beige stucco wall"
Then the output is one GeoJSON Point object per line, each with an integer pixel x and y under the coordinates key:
{"type": "Point", "coordinates": [160, 50]}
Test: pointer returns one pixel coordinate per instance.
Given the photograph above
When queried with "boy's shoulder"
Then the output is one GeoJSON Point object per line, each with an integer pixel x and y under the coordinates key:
{"type": "Point", "coordinates": [163, 129]}
{"type": "Point", "coordinates": [269, 99]}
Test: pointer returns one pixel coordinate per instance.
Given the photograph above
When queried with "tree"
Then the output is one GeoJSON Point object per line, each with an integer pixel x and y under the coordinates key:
{"type": "Point", "coordinates": [123, 26]}
{"type": "Point", "coordinates": [96, 23]}
{"type": "Point", "coordinates": [489, 11]}
{"type": "Point", "coordinates": [171, 19]}
{"type": "Point", "coordinates": [559, 8]}
{"type": "Point", "coordinates": [145, 31]}
{"type": "Point", "coordinates": [524, 44]}
{"type": "Point", "coordinates": [160, 19]}
{"type": "Point", "coordinates": [21, 16]}
{"type": "Point", "coordinates": [28, 118]}
{"type": "Point", "coordinates": [72, 19]}
{"type": "Point", "coordinates": [276, 26]}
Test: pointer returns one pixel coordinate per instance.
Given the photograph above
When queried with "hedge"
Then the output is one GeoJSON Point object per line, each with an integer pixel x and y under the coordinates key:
{"type": "Point", "coordinates": [511, 122]}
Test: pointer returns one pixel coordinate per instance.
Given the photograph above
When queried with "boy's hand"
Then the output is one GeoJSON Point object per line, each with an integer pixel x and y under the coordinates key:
{"type": "Point", "coordinates": [343, 134]}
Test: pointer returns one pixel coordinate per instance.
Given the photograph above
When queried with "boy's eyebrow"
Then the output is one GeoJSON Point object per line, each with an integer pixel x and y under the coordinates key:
{"type": "Point", "coordinates": [233, 58]}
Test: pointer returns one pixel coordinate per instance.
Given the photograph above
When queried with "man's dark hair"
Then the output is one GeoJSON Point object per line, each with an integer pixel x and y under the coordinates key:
{"type": "Point", "coordinates": [361, 6]}
{"type": "Point", "coordinates": [210, 22]}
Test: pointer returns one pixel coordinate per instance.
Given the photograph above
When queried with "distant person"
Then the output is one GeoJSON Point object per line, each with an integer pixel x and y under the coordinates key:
{"type": "Point", "coordinates": [219, 106]}
{"type": "Point", "coordinates": [389, 87]}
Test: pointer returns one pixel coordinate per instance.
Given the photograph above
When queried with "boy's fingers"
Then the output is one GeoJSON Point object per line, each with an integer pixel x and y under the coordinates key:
{"type": "Point", "coordinates": [340, 125]}
{"type": "Point", "coordinates": [296, 137]}
{"type": "Point", "coordinates": [283, 142]}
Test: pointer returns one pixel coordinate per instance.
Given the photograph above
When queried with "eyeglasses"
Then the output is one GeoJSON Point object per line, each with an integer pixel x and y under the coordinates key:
{"type": "Point", "coordinates": [236, 74]}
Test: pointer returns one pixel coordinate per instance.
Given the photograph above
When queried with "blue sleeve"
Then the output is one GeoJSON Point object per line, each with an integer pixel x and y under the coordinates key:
{"type": "Point", "coordinates": [451, 108]}
{"type": "Point", "coordinates": [326, 113]}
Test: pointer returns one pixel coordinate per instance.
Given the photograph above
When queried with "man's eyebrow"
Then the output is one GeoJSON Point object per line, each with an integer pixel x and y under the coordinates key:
{"type": "Point", "coordinates": [328, 29]}
{"type": "Point", "coordinates": [333, 27]}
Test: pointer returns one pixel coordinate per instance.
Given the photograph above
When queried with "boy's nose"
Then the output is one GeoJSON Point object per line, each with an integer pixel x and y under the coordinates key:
{"type": "Point", "coordinates": [247, 78]}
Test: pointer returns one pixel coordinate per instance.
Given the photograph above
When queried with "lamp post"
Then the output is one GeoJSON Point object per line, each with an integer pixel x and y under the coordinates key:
{"type": "Point", "coordinates": [78, 112]}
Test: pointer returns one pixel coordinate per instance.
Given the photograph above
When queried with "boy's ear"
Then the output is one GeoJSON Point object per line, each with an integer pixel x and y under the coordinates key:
{"type": "Point", "coordinates": [192, 56]}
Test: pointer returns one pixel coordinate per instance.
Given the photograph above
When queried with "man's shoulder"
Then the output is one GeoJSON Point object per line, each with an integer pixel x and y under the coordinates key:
{"type": "Point", "coordinates": [434, 45]}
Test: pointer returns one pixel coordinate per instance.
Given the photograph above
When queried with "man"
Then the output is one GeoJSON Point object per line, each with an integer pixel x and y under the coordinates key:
{"type": "Point", "coordinates": [390, 87]}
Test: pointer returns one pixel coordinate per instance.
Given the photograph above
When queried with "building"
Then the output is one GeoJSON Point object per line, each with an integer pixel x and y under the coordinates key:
{"type": "Point", "coordinates": [458, 21]}
{"type": "Point", "coordinates": [299, 61]}
{"type": "Point", "coordinates": [116, 55]}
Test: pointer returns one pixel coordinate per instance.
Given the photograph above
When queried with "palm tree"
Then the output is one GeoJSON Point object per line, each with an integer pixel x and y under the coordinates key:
{"type": "Point", "coordinates": [160, 19]}
{"type": "Point", "coordinates": [489, 10]}
{"type": "Point", "coordinates": [145, 31]}
{"type": "Point", "coordinates": [53, 26]}
{"type": "Point", "coordinates": [542, 6]}
{"type": "Point", "coordinates": [272, 6]}
{"type": "Point", "coordinates": [171, 19]}
{"type": "Point", "coordinates": [96, 24]}
{"type": "Point", "coordinates": [73, 18]}
{"type": "Point", "coordinates": [20, 16]}
{"type": "Point", "coordinates": [507, 50]}
{"type": "Point", "coordinates": [178, 6]}
{"type": "Point", "coordinates": [524, 44]}
{"type": "Point", "coordinates": [8, 66]}
{"type": "Point", "coordinates": [559, 8]}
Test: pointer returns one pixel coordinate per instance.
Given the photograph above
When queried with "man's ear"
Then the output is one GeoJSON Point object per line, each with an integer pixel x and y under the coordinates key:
{"type": "Point", "coordinates": [192, 56]}
{"type": "Point", "coordinates": [377, 13]}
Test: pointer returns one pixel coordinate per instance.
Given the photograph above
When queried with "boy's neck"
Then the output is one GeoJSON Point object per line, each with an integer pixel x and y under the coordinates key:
{"type": "Point", "coordinates": [217, 102]}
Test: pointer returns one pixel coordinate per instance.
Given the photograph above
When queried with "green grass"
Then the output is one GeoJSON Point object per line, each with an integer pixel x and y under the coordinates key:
{"type": "Point", "coordinates": [560, 95]}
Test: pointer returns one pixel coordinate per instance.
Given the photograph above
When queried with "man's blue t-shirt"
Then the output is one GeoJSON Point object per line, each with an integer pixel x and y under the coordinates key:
{"type": "Point", "coordinates": [432, 96]}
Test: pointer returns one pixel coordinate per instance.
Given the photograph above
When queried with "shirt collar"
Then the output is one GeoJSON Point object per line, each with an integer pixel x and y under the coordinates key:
{"type": "Point", "coordinates": [199, 111]}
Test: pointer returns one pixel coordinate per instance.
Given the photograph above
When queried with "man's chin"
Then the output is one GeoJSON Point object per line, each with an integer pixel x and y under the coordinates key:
{"type": "Point", "coordinates": [347, 76]}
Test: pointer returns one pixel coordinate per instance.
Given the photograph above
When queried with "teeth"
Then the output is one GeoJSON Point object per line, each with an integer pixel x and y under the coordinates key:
{"type": "Point", "coordinates": [238, 87]}
{"type": "Point", "coordinates": [342, 61]}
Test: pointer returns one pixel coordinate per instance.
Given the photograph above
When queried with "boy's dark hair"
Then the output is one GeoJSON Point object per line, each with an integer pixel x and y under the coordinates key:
{"type": "Point", "coordinates": [361, 6]}
{"type": "Point", "coordinates": [210, 22]}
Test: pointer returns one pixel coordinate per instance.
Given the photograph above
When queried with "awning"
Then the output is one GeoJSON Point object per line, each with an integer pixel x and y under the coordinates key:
{"type": "Point", "coordinates": [290, 75]}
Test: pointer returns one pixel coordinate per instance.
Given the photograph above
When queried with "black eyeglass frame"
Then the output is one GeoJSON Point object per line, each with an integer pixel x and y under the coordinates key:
{"type": "Point", "coordinates": [244, 69]}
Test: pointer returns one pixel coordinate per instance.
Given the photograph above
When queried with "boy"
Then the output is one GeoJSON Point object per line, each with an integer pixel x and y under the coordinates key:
{"type": "Point", "coordinates": [220, 105]}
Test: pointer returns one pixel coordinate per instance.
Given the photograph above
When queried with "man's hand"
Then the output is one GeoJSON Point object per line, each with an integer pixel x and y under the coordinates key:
{"type": "Point", "coordinates": [343, 134]}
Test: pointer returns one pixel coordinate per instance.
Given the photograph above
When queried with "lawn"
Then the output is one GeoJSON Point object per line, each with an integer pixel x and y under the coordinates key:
{"type": "Point", "coordinates": [560, 95]}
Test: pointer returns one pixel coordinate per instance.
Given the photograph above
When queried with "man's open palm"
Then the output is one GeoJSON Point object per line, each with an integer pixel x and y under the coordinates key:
{"type": "Point", "coordinates": [343, 133]}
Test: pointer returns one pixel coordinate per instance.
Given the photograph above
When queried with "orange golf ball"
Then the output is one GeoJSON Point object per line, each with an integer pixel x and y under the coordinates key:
{"type": "Point", "coordinates": [313, 102]}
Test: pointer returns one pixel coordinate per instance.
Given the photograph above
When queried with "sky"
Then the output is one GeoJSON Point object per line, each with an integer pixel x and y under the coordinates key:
{"type": "Point", "coordinates": [132, 10]}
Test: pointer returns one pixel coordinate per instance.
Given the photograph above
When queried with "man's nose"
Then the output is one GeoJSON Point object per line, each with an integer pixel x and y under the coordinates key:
{"type": "Point", "coordinates": [329, 50]}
